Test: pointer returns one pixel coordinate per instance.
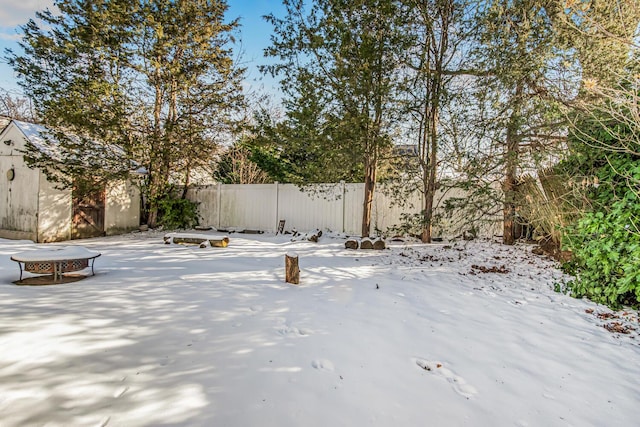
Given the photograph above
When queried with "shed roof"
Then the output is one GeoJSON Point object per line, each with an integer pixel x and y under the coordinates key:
{"type": "Point", "coordinates": [45, 141]}
{"type": "Point", "coordinates": [37, 135]}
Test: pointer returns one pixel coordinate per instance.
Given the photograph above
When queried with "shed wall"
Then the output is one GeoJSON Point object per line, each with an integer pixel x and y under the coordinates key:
{"type": "Point", "coordinates": [18, 197]}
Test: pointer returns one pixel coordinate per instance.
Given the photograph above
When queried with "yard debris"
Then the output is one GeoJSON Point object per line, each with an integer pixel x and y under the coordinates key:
{"type": "Point", "coordinates": [617, 322]}
{"type": "Point", "coordinates": [483, 269]}
{"type": "Point", "coordinates": [312, 236]}
{"type": "Point", "coordinates": [366, 243]}
{"type": "Point", "coordinates": [202, 240]}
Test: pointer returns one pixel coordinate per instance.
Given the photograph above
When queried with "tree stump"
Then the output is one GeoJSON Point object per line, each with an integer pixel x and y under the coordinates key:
{"type": "Point", "coordinates": [351, 244]}
{"type": "Point", "coordinates": [292, 271]}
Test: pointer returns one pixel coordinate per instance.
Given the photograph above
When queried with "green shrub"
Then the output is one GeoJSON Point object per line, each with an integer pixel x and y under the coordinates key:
{"type": "Point", "coordinates": [176, 213]}
{"type": "Point", "coordinates": [605, 242]}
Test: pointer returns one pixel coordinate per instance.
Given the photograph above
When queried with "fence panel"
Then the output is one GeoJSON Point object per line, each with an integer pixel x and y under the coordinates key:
{"type": "Point", "coordinates": [208, 201]}
{"type": "Point", "coordinates": [250, 206]}
{"type": "Point", "coordinates": [336, 207]}
{"type": "Point", "coordinates": [319, 206]}
{"type": "Point", "coordinates": [353, 198]}
{"type": "Point", "coordinates": [388, 208]}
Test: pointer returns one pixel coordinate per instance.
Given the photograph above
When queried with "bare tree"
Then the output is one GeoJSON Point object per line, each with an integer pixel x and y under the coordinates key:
{"type": "Point", "coordinates": [16, 107]}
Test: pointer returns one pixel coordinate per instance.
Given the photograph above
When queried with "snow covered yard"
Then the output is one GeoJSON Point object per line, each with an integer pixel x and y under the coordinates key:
{"type": "Point", "coordinates": [467, 333]}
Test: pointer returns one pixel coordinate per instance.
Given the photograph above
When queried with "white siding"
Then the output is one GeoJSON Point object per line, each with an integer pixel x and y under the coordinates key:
{"type": "Point", "coordinates": [32, 208]}
{"type": "Point", "coordinates": [18, 198]}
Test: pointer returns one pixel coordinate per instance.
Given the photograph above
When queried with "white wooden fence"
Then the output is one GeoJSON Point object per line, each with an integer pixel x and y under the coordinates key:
{"type": "Point", "coordinates": [335, 207]}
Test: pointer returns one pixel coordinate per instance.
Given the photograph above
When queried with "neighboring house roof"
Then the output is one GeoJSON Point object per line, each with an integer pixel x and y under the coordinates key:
{"type": "Point", "coordinates": [405, 149]}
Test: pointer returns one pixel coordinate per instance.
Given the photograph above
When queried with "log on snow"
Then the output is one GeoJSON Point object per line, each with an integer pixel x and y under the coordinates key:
{"type": "Point", "coordinates": [366, 244]}
{"type": "Point", "coordinates": [379, 244]}
{"type": "Point", "coordinates": [351, 244]}
{"type": "Point", "coordinates": [216, 242]}
{"type": "Point", "coordinates": [315, 236]}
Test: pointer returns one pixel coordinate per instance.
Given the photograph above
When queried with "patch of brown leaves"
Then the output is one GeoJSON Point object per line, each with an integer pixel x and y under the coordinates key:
{"type": "Point", "coordinates": [475, 269]}
{"type": "Point", "coordinates": [618, 321]}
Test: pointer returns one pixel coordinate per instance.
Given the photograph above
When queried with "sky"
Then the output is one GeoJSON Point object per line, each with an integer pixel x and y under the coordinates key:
{"type": "Point", "coordinates": [254, 34]}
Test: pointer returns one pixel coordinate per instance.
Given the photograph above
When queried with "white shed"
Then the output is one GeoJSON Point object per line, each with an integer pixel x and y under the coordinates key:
{"type": "Point", "coordinates": [31, 207]}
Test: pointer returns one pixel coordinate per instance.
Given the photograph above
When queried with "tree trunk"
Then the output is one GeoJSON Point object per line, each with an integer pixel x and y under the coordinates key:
{"type": "Point", "coordinates": [369, 187]}
{"type": "Point", "coordinates": [154, 194]}
{"type": "Point", "coordinates": [509, 210]}
{"type": "Point", "coordinates": [511, 166]}
{"type": "Point", "coordinates": [156, 150]}
{"type": "Point", "coordinates": [432, 166]}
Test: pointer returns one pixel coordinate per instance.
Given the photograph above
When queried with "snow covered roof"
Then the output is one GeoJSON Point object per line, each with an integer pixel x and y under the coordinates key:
{"type": "Point", "coordinates": [45, 141]}
{"type": "Point", "coordinates": [38, 135]}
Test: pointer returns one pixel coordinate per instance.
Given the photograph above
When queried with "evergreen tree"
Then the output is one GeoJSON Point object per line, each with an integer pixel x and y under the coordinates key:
{"type": "Point", "coordinates": [521, 53]}
{"type": "Point", "coordinates": [339, 65]}
{"type": "Point", "coordinates": [155, 77]}
{"type": "Point", "coordinates": [602, 165]}
{"type": "Point", "coordinates": [65, 71]}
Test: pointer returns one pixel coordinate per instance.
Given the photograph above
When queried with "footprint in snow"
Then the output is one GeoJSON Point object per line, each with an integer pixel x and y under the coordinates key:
{"type": "Point", "coordinates": [293, 331]}
{"type": "Point", "coordinates": [458, 383]}
{"type": "Point", "coordinates": [120, 391]}
{"type": "Point", "coordinates": [517, 303]}
{"type": "Point", "coordinates": [323, 365]}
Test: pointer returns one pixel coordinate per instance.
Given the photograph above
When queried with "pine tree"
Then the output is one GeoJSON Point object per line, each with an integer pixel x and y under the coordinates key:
{"type": "Point", "coordinates": [343, 57]}
{"type": "Point", "coordinates": [154, 77]}
{"type": "Point", "coordinates": [519, 51]}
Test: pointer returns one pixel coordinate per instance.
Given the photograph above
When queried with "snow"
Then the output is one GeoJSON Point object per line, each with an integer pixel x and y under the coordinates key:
{"type": "Point", "coordinates": [451, 334]}
{"type": "Point", "coordinates": [55, 254]}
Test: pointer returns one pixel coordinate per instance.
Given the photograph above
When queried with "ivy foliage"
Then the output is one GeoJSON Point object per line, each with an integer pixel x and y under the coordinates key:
{"type": "Point", "coordinates": [605, 241]}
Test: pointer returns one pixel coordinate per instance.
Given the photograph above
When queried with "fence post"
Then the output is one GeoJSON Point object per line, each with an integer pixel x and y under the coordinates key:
{"type": "Point", "coordinates": [276, 219]}
{"type": "Point", "coordinates": [344, 195]}
{"type": "Point", "coordinates": [219, 196]}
